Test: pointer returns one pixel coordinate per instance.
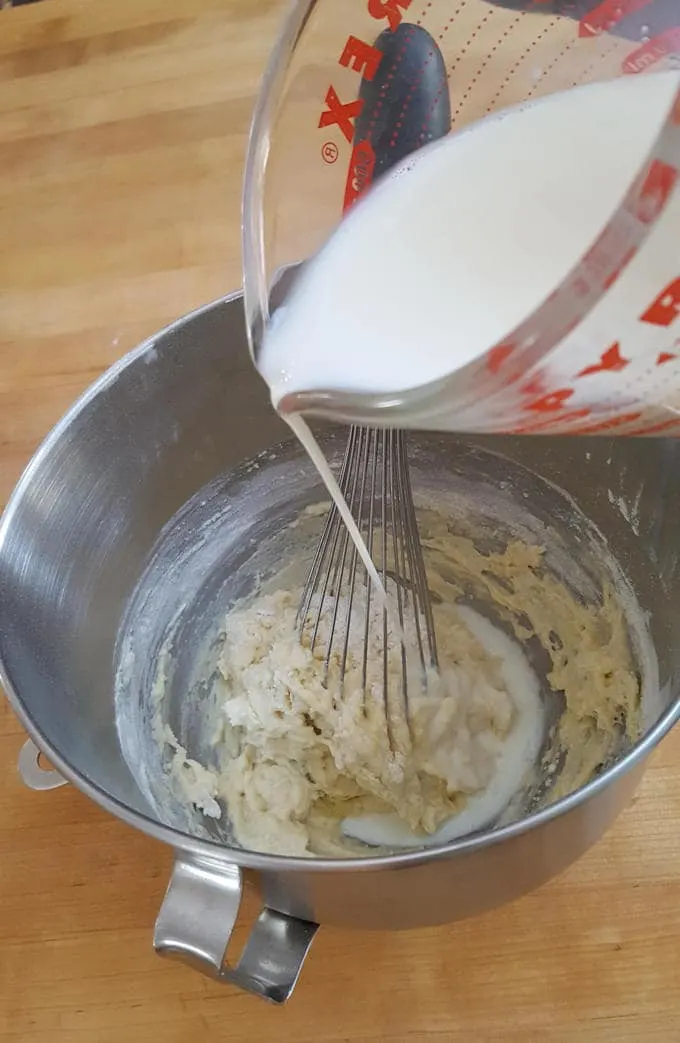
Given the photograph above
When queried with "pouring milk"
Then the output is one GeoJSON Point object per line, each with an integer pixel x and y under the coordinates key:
{"type": "Point", "coordinates": [453, 250]}
{"type": "Point", "coordinates": [439, 262]}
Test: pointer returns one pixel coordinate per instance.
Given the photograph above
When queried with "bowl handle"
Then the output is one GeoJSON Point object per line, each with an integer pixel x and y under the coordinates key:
{"type": "Point", "coordinates": [32, 774]}
{"type": "Point", "coordinates": [196, 921]}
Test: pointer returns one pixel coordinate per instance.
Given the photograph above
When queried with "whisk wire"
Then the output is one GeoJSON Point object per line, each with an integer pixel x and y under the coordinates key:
{"type": "Point", "coordinates": [385, 650]}
{"type": "Point", "coordinates": [341, 561]}
{"type": "Point", "coordinates": [401, 590]}
{"type": "Point", "coordinates": [363, 469]}
{"type": "Point", "coordinates": [421, 592]}
{"type": "Point", "coordinates": [373, 456]}
{"type": "Point", "coordinates": [375, 481]}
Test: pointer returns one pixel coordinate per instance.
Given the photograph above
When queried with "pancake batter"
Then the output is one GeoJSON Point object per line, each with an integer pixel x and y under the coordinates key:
{"type": "Point", "coordinates": [301, 769]}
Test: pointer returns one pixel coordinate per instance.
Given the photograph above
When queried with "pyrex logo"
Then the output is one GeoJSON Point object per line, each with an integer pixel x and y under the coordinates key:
{"type": "Point", "coordinates": [363, 58]}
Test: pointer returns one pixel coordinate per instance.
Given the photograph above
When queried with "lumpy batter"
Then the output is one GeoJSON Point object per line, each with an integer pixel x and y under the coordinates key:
{"type": "Point", "coordinates": [312, 754]}
{"type": "Point", "coordinates": [303, 766]}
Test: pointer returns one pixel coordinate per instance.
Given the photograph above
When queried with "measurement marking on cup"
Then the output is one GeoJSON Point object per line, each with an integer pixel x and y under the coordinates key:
{"type": "Point", "coordinates": [606, 15]}
{"type": "Point", "coordinates": [662, 312]}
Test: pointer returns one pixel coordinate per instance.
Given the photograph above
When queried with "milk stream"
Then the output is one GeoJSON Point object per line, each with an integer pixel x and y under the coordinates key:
{"type": "Point", "coordinates": [309, 443]}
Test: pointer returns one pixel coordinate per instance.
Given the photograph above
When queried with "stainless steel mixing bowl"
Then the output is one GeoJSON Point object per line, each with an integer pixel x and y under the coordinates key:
{"type": "Point", "coordinates": [182, 409]}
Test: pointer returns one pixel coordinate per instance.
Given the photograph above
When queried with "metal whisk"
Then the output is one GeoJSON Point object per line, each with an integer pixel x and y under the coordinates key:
{"type": "Point", "coordinates": [376, 484]}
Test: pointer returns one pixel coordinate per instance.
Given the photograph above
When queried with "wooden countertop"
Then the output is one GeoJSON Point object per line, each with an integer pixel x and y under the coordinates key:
{"type": "Point", "coordinates": [122, 132]}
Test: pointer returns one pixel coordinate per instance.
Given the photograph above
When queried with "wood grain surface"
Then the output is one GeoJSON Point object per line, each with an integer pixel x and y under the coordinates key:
{"type": "Point", "coordinates": [122, 133]}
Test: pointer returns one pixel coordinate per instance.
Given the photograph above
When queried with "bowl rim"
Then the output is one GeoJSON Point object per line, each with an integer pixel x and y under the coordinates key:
{"type": "Point", "coordinates": [213, 850]}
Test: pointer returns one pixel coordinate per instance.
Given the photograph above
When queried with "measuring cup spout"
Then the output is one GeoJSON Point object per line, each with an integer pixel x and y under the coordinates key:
{"type": "Point", "coordinates": [349, 407]}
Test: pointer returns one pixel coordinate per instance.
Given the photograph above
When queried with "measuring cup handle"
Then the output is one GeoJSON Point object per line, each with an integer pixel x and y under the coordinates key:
{"type": "Point", "coordinates": [407, 102]}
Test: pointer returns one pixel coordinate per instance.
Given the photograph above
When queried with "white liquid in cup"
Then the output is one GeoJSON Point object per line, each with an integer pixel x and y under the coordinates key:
{"type": "Point", "coordinates": [448, 254]}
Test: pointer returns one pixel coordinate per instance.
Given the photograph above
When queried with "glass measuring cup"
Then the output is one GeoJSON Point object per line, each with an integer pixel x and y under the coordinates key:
{"type": "Point", "coordinates": [599, 352]}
